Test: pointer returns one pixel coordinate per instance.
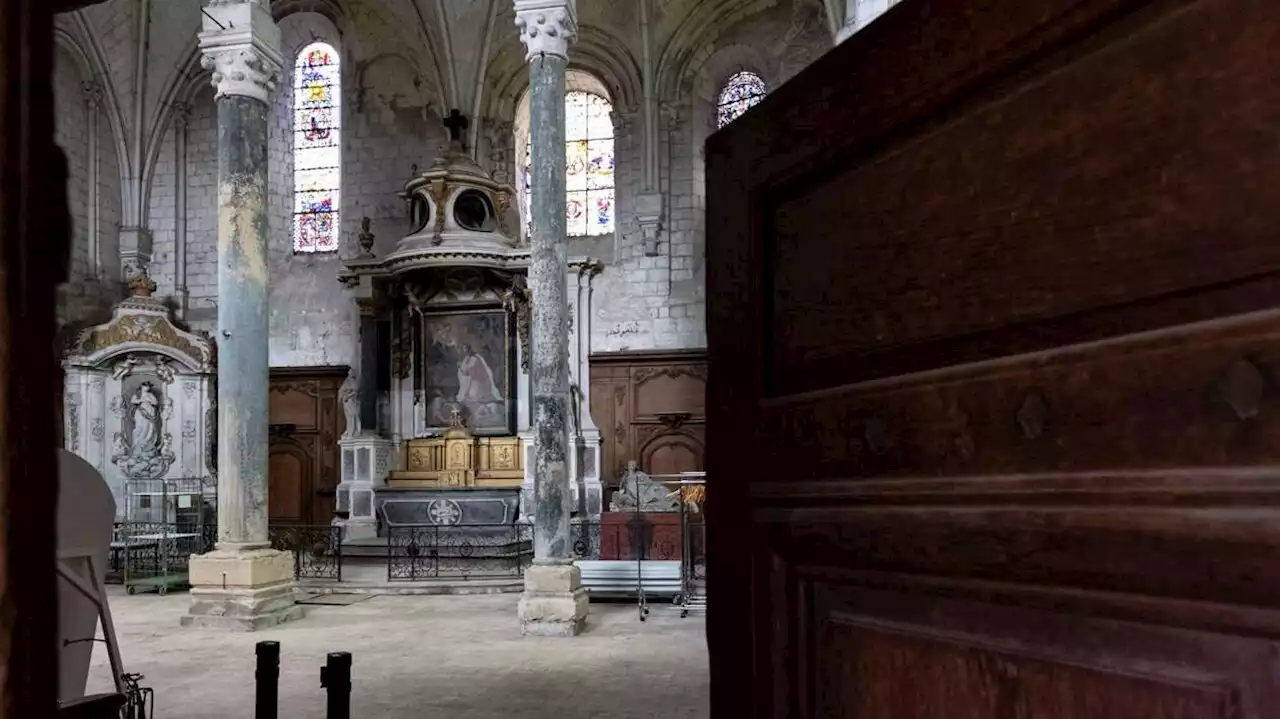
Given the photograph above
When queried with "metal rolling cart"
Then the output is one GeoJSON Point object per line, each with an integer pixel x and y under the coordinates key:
{"type": "Point", "coordinates": [165, 522]}
{"type": "Point", "coordinates": [693, 544]}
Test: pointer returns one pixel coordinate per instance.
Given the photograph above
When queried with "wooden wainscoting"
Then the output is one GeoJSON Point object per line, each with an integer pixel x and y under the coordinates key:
{"type": "Point", "coordinates": [303, 456]}
{"type": "Point", "coordinates": [650, 407]}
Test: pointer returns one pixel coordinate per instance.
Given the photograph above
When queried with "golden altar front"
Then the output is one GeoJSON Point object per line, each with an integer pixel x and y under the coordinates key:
{"type": "Point", "coordinates": [458, 459]}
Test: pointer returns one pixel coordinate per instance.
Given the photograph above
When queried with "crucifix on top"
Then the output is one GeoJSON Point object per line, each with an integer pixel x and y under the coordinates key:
{"type": "Point", "coordinates": [457, 124]}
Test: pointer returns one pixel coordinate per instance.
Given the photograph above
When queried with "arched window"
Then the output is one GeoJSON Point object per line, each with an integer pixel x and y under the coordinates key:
{"type": "Point", "coordinates": [589, 183]}
{"type": "Point", "coordinates": [317, 171]}
{"type": "Point", "coordinates": [742, 90]}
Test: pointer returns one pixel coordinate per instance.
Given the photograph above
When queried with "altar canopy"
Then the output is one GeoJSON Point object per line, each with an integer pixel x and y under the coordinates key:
{"type": "Point", "coordinates": [444, 391]}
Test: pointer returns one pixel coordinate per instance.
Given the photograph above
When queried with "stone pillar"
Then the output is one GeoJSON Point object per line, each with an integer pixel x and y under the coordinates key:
{"type": "Point", "coordinates": [243, 583]}
{"type": "Point", "coordinates": [554, 602]}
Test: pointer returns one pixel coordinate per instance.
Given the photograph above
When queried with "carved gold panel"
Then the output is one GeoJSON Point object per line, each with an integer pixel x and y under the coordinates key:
{"type": "Point", "coordinates": [461, 461]}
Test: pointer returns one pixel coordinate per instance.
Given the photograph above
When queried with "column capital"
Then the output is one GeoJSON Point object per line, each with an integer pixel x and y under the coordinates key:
{"type": "Point", "coordinates": [93, 93]}
{"type": "Point", "coordinates": [547, 27]}
{"type": "Point", "coordinates": [181, 114]}
{"type": "Point", "coordinates": [240, 43]}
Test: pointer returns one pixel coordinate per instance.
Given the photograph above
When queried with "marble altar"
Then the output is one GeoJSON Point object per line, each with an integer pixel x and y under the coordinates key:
{"type": "Point", "coordinates": [444, 399]}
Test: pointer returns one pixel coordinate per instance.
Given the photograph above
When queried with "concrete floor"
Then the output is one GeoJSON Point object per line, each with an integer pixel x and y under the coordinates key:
{"type": "Point", "coordinates": [451, 657]}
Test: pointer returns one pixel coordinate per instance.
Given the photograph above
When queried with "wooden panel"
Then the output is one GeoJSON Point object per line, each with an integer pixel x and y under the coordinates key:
{"type": "Point", "coordinates": [35, 243]}
{"type": "Point", "coordinates": [289, 481]}
{"type": "Point", "coordinates": [886, 663]}
{"type": "Point", "coordinates": [650, 407]}
{"type": "Point", "coordinates": [305, 428]}
{"type": "Point", "coordinates": [992, 294]}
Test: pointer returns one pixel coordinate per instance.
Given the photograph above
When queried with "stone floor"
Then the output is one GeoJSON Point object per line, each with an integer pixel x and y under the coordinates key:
{"type": "Point", "coordinates": [452, 657]}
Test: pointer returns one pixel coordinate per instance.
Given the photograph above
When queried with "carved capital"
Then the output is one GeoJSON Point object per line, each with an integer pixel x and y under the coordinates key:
{"type": "Point", "coordinates": [547, 27]}
{"type": "Point", "coordinates": [181, 115]}
{"type": "Point", "coordinates": [674, 113]}
{"type": "Point", "coordinates": [93, 94]}
{"type": "Point", "coordinates": [241, 45]}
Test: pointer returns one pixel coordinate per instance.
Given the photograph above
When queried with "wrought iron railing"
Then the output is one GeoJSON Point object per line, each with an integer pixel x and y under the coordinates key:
{"type": "Point", "coordinates": [416, 552]}
{"type": "Point", "coordinates": [316, 549]}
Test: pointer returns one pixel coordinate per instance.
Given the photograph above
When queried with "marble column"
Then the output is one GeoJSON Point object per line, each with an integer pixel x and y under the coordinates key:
{"type": "Point", "coordinates": [243, 583]}
{"type": "Point", "coordinates": [554, 602]}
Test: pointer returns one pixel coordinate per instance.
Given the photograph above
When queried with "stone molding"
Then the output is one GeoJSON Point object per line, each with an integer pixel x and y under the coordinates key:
{"type": "Point", "coordinates": [547, 27]}
{"type": "Point", "coordinates": [241, 45]}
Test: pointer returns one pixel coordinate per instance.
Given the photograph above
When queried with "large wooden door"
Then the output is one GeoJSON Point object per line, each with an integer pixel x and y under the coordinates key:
{"type": "Point", "coordinates": [302, 458]}
{"type": "Point", "coordinates": [994, 388]}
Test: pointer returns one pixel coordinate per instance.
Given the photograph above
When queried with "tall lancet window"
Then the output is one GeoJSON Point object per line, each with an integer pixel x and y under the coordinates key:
{"type": "Point", "coordinates": [589, 183]}
{"type": "Point", "coordinates": [740, 92]}
{"type": "Point", "coordinates": [317, 171]}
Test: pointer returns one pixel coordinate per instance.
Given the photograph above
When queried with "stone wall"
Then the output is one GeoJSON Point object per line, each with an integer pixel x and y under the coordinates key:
{"type": "Point", "coordinates": [77, 98]}
{"type": "Point", "coordinates": [392, 103]}
{"type": "Point", "coordinates": [659, 302]}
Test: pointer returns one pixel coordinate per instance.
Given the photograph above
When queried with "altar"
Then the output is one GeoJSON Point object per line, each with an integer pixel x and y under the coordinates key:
{"type": "Point", "coordinates": [439, 425]}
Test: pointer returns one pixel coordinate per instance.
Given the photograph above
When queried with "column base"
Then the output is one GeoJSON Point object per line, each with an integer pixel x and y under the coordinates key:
{"type": "Point", "coordinates": [554, 604]}
{"type": "Point", "coordinates": [241, 590]}
{"type": "Point", "coordinates": [353, 529]}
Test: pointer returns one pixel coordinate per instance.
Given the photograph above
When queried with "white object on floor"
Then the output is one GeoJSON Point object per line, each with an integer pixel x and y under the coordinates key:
{"type": "Point", "coordinates": [86, 511]}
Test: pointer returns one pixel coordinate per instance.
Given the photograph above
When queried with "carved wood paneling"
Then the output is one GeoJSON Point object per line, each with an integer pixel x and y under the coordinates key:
{"type": "Point", "coordinates": [991, 308]}
{"type": "Point", "coordinates": [305, 426]}
{"type": "Point", "coordinates": [649, 405]}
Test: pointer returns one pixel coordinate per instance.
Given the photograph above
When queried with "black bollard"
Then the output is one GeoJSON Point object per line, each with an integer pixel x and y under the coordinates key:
{"type": "Point", "coordinates": [335, 678]}
{"type": "Point", "coordinates": [268, 680]}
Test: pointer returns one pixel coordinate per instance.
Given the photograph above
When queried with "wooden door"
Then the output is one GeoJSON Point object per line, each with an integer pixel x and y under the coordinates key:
{"type": "Point", "coordinates": [995, 369]}
{"type": "Point", "coordinates": [302, 473]}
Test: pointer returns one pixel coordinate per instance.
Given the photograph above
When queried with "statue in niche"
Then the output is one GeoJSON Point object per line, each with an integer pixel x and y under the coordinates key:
{"type": "Point", "coordinates": [349, 395]}
{"type": "Point", "coordinates": [145, 405]}
{"type": "Point", "coordinates": [637, 492]}
{"type": "Point", "coordinates": [142, 449]}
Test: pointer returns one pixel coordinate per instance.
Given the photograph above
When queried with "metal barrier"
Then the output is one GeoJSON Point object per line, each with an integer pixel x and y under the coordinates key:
{"type": "Point", "coordinates": [416, 552]}
{"type": "Point", "coordinates": [335, 679]}
{"type": "Point", "coordinates": [267, 680]}
{"type": "Point", "coordinates": [316, 549]}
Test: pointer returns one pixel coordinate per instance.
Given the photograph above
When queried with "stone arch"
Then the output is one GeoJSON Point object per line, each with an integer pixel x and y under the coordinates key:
{"type": "Point", "coordinates": [694, 41]}
{"type": "Point", "coordinates": [597, 53]}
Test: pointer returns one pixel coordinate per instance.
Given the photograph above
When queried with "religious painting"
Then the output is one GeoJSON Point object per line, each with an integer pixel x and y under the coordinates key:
{"type": "Point", "coordinates": [469, 366]}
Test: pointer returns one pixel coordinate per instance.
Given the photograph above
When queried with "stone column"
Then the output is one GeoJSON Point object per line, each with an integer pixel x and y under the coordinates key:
{"type": "Point", "coordinates": [554, 602]}
{"type": "Point", "coordinates": [243, 583]}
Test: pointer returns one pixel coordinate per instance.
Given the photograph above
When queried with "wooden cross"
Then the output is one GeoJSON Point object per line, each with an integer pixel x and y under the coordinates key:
{"type": "Point", "coordinates": [457, 124]}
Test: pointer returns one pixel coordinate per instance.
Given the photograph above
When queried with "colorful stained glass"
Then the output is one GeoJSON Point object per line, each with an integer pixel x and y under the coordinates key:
{"type": "Point", "coordinates": [599, 164]}
{"type": "Point", "coordinates": [575, 165]}
{"type": "Point", "coordinates": [589, 163]}
{"type": "Point", "coordinates": [317, 154]}
{"type": "Point", "coordinates": [526, 189]}
{"type": "Point", "coordinates": [575, 214]}
{"type": "Point", "coordinates": [602, 216]}
{"type": "Point", "coordinates": [742, 91]}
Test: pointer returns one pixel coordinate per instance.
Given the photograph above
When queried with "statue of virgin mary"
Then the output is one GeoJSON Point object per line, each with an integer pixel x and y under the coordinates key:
{"type": "Point", "coordinates": [146, 422]}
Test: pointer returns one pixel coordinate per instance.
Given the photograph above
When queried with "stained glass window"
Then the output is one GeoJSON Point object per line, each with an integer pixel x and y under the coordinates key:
{"type": "Point", "coordinates": [316, 149]}
{"type": "Point", "coordinates": [743, 90]}
{"type": "Point", "coordinates": [589, 183]}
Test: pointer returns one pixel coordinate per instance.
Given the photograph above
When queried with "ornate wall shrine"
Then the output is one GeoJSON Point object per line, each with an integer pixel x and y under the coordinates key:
{"type": "Point", "coordinates": [438, 411]}
{"type": "Point", "coordinates": [139, 396]}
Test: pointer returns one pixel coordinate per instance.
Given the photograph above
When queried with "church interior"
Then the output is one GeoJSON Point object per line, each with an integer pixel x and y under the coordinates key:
{"type": "Point", "coordinates": [630, 358]}
{"type": "Point", "coordinates": [305, 289]}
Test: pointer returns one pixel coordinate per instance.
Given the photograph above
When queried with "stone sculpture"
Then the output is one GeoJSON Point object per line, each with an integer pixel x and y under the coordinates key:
{"type": "Point", "coordinates": [349, 395]}
{"type": "Point", "coordinates": [637, 492]}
